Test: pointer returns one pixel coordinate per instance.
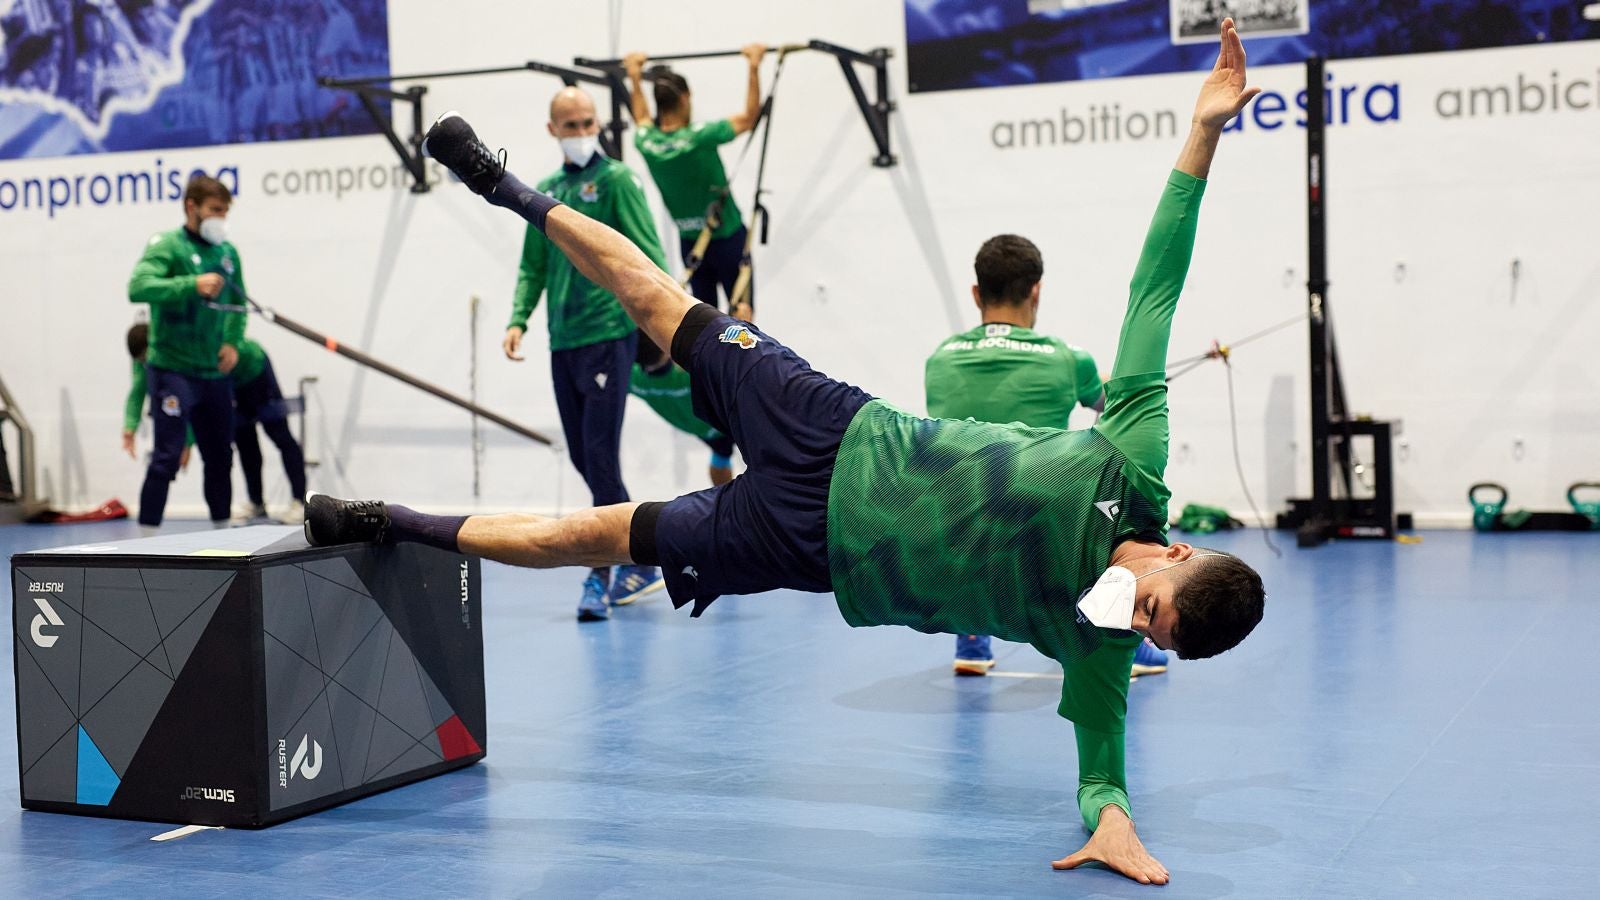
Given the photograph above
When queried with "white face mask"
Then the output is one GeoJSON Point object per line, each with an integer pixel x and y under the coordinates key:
{"type": "Point", "coordinates": [1109, 604]}
{"type": "Point", "coordinates": [579, 150]}
{"type": "Point", "coordinates": [214, 230]}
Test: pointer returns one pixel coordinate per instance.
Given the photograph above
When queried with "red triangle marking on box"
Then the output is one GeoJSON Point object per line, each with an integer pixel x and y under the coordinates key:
{"type": "Point", "coordinates": [454, 739]}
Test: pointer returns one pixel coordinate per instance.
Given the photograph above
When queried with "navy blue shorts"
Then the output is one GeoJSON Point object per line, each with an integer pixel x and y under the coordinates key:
{"type": "Point", "coordinates": [768, 528]}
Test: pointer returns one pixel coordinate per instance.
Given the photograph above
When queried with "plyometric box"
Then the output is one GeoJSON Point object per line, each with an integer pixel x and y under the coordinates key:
{"type": "Point", "coordinates": [241, 677]}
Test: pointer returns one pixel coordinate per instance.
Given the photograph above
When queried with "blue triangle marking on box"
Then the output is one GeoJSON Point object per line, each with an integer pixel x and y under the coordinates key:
{"type": "Point", "coordinates": [96, 781]}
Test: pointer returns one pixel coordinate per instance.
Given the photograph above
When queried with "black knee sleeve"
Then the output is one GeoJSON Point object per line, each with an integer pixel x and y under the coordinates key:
{"type": "Point", "coordinates": [694, 322]}
{"type": "Point", "coordinates": [642, 534]}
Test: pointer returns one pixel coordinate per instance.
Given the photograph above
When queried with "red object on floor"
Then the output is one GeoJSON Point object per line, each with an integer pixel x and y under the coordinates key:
{"type": "Point", "coordinates": [454, 739]}
{"type": "Point", "coordinates": [105, 512]}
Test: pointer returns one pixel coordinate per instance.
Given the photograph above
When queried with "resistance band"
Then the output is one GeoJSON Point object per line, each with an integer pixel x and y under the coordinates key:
{"type": "Point", "coordinates": [335, 346]}
{"type": "Point", "coordinates": [1224, 352]}
{"type": "Point", "coordinates": [758, 210]}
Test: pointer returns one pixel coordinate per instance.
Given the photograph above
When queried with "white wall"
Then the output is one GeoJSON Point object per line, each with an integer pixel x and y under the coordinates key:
{"type": "Point", "coordinates": [869, 268]}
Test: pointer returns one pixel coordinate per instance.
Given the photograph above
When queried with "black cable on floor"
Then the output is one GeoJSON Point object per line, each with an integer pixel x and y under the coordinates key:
{"type": "Point", "coordinates": [1238, 464]}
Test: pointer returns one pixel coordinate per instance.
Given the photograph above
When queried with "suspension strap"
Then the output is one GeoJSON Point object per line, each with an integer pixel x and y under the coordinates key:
{"type": "Point", "coordinates": [758, 210]}
{"type": "Point", "coordinates": [713, 218]}
{"type": "Point", "coordinates": [697, 254]}
{"type": "Point", "coordinates": [741, 285]}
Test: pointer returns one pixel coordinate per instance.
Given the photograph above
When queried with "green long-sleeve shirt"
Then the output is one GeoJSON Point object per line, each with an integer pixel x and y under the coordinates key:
{"type": "Point", "coordinates": [969, 527]}
{"type": "Point", "coordinates": [581, 312]}
{"type": "Point", "coordinates": [186, 331]}
{"type": "Point", "coordinates": [252, 360]}
{"type": "Point", "coordinates": [138, 392]}
{"type": "Point", "coordinates": [668, 394]}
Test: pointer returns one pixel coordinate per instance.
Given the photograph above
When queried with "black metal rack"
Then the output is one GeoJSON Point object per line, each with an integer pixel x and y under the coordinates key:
{"type": "Point", "coordinates": [19, 499]}
{"type": "Point", "coordinates": [368, 90]}
{"type": "Point", "coordinates": [607, 73]}
{"type": "Point", "coordinates": [875, 111]}
{"type": "Point", "coordinates": [1333, 427]}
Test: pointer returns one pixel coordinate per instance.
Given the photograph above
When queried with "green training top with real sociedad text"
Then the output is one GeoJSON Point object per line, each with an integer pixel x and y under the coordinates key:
{"type": "Point", "coordinates": [187, 330]}
{"type": "Point", "coordinates": [687, 169]}
{"type": "Point", "coordinates": [965, 527]}
{"type": "Point", "coordinates": [1007, 373]}
{"type": "Point", "coordinates": [581, 312]}
{"type": "Point", "coordinates": [668, 395]}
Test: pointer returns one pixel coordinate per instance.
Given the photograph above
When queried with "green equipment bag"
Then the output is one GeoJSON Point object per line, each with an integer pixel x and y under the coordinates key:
{"type": "Point", "coordinates": [1199, 519]}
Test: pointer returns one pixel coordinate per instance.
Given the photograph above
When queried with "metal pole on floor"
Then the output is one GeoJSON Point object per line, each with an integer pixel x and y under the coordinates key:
{"type": "Point", "coordinates": [472, 392]}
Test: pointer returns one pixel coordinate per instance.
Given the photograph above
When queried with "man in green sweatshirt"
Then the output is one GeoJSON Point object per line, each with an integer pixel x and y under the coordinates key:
{"type": "Point", "coordinates": [196, 324]}
{"type": "Point", "coordinates": [1038, 535]}
{"type": "Point", "coordinates": [592, 340]}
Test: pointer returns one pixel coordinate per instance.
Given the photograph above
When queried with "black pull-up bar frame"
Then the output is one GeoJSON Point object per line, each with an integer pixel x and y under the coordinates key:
{"type": "Point", "coordinates": [369, 89]}
{"type": "Point", "coordinates": [606, 73]}
{"type": "Point", "coordinates": [875, 111]}
{"type": "Point", "coordinates": [616, 62]}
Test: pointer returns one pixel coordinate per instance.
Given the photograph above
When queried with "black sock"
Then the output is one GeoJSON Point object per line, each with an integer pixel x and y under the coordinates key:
{"type": "Point", "coordinates": [526, 202]}
{"type": "Point", "coordinates": [407, 524]}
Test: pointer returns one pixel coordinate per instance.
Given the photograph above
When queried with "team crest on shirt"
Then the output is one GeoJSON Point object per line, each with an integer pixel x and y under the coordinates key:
{"type": "Point", "coordinates": [589, 192]}
{"type": "Point", "coordinates": [996, 330]}
{"type": "Point", "coordinates": [170, 405]}
{"type": "Point", "coordinates": [227, 265]}
{"type": "Point", "coordinates": [738, 334]}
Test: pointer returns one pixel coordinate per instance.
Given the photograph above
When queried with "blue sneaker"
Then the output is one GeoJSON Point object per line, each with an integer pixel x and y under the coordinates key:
{"type": "Point", "coordinates": [595, 606]}
{"type": "Point", "coordinates": [633, 582]}
{"type": "Point", "coordinates": [1148, 660]}
{"type": "Point", "coordinates": [972, 654]}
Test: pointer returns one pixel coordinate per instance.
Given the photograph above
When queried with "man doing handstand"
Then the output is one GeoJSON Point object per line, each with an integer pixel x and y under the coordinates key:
{"type": "Point", "coordinates": [1039, 535]}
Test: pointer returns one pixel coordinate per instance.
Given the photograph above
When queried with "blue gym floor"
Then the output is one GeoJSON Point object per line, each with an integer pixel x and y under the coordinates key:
{"type": "Point", "coordinates": [1409, 721]}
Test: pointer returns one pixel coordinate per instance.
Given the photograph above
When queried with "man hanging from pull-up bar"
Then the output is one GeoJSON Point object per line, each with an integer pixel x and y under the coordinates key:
{"type": "Point", "coordinates": [1039, 535]}
{"type": "Point", "coordinates": [683, 160]}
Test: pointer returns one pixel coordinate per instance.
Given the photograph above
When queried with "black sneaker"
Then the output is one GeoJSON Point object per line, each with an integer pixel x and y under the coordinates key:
{"type": "Point", "coordinates": [453, 142]}
{"type": "Point", "coordinates": [333, 521]}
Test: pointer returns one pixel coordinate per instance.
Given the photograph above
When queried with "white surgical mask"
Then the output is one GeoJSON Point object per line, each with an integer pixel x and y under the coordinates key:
{"type": "Point", "coordinates": [214, 230]}
{"type": "Point", "coordinates": [580, 150]}
{"type": "Point", "coordinates": [1109, 604]}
